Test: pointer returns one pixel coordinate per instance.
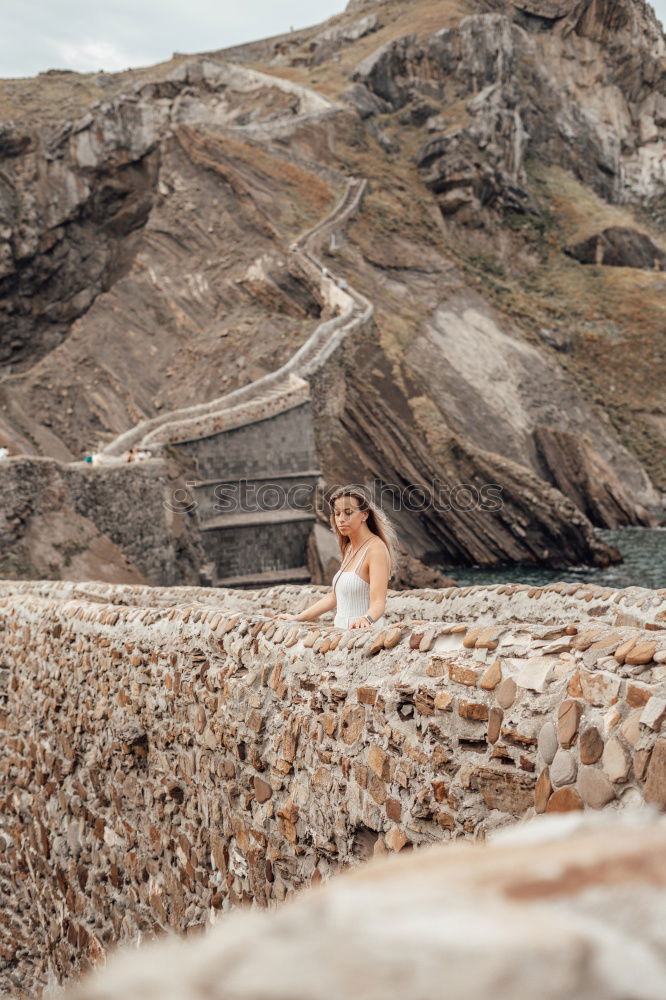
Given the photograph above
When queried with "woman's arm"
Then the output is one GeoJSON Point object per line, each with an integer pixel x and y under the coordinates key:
{"type": "Point", "coordinates": [324, 604]}
{"type": "Point", "coordinates": [378, 565]}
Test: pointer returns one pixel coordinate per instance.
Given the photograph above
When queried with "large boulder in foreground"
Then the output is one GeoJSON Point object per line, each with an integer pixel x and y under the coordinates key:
{"type": "Point", "coordinates": [619, 246]}
{"type": "Point", "coordinates": [557, 908]}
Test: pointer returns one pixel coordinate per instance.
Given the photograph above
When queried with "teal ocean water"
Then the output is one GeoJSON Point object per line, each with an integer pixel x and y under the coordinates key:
{"type": "Point", "coordinates": [644, 565]}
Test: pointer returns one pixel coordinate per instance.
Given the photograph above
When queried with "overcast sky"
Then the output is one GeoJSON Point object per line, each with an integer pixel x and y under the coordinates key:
{"type": "Point", "coordinates": [116, 34]}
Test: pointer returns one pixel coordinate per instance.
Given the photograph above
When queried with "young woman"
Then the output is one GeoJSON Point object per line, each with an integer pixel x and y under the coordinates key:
{"type": "Point", "coordinates": [367, 545]}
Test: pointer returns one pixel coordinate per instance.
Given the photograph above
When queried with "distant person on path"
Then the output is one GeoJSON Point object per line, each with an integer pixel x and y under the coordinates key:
{"type": "Point", "coordinates": [367, 543]}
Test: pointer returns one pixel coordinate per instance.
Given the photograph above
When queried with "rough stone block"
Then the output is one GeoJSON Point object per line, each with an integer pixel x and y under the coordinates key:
{"type": "Point", "coordinates": [655, 785]}
{"type": "Point", "coordinates": [654, 713]}
{"type": "Point", "coordinates": [475, 711]}
{"type": "Point", "coordinates": [542, 791]}
{"type": "Point", "coordinates": [564, 800]}
{"type": "Point", "coordinates": [366, 695]}
{"type": "Point", "coordinates": [591, 745]}
{"type": "Point", "coordinates": [506, 693]}
{"type": "Point", "coordinates": [640, 653]}
{"type": "Point", "coordinates": [547, 741]}
{"type": "Point", "coordinates": [615, 760]}
{"type": "Point", "coordinates": [599, 688]}
{"type": "Point", "coordinates": [536, 673]}
{"type": "Point", "coordinates": [495, 717]}
{"type": "Point", "coordinates": [491, 676]}
{"type": "Point", "coordinates": [396, 839]}
{"type": "Point", "coordinates": [461, 674]}
{"type": "Point", "coordinates": [563, 768]}
{"type": "Point", "coordinates": [380, 762]}
{"type": "Point", "coordinates": [568, 718]}
{"type": "Point", "coordinates": [512, 793]}
{"type": "Point", "coordinates": [352, 724]}
{"type": "Point", "coordinates": [594, 787]}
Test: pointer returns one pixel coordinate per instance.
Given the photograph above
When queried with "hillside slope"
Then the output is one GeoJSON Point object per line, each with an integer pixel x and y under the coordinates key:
{"type": "Point", "coordinates": [145, 263]}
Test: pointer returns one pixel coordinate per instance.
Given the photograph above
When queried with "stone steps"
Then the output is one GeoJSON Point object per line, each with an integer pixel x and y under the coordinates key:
{"type": "Point", "coordinates": [256, 493]}
{"type": "Point", "coordinates": [267, 478]}
{"type": "Point", "coordinates": [234, 441]}
{"type": "Point", "coordinates": [269, 578]}
{"type": "Point", "coordinates": [246, 519]}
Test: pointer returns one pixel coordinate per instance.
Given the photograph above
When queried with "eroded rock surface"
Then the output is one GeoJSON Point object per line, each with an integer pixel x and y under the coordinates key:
{"type": "Point", "coordinates": [524, 79]}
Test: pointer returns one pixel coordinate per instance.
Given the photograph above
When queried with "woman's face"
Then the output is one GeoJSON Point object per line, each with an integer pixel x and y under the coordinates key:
{"type": "Point", "coordinates": [348, 515]}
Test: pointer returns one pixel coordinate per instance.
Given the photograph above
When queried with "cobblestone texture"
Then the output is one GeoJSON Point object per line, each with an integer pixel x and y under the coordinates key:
{"type": "Point", "coordinates": [171, 752]}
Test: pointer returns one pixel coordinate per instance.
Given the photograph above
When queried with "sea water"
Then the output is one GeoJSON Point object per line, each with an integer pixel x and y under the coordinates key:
{"type": "Point", "coordinates": [644, 565]}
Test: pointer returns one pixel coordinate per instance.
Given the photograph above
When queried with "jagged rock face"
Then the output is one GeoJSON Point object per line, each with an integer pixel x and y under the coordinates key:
{"type": "Point", "coordinates": [528, 94]}
{"type": "Point", "coordinates": [67, 233]}
{"type": "Point", "coordinates": [575, 468]}
{"type": "Point", "coordinates": [473, 506]}
{"type": "Point", "coordinates": [465, 349]}
{"type": "Point", "coordinates": [324, 45]}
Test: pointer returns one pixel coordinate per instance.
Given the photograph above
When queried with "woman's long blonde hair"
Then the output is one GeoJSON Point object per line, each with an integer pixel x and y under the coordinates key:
{"type": "Point", "coordinates": [377, 521]}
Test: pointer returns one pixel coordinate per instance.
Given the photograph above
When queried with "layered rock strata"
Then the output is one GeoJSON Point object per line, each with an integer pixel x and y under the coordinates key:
{"type": "Point", "coordinates": [171, 754]}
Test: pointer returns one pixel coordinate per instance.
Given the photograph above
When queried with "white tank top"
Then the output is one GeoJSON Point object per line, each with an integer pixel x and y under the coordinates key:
{"type": "Point", "coordinates": [353, 595]}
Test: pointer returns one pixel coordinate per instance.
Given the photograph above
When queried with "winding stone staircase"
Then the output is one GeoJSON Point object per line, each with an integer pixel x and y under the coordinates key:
{"type": "Point", "coordinates": [254, 449]}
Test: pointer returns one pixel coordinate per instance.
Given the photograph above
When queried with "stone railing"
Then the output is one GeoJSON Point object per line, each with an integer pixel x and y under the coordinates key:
{"type": "Point", "coordinates": [175, 752]}
{"type": "Point", "coordinates": [282, 394]}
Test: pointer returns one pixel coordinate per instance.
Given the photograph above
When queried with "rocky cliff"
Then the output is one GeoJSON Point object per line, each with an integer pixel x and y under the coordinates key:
{"type": "Point", "coordinates": [147, 218]}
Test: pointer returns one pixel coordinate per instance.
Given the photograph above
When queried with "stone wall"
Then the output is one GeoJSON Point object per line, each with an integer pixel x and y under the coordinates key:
{"type": "Point", "coordinates": [115, 518]}
{"type": "Point", "coordinates": [270, 547]}
{"type": "Point", "coordinates": [271, 403]}
{"type": "Point", "coordinates": [171, 753]}
{"type": "Point", "coordinates": [282, 442]}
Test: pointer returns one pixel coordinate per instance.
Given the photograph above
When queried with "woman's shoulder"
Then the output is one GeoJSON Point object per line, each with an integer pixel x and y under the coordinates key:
{"type": "Point", "coordinates": [377, 545]}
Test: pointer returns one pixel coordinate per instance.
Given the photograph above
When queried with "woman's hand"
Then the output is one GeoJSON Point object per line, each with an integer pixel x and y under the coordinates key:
{"type": "Point", "coordinates": [286, 616]}
{"type": "Point", "coordinates": [360, 623]}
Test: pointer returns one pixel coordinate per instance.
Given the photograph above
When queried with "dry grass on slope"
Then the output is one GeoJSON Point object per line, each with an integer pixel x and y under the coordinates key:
{"type": "Point", "coordinates": [280, 194]}
{"type": "Point", "coordinates": [58, 95]}
{"type": "Point", "coordinates": [580, 212]}
{"type": "Point", "coordinates": [405, 17]}
{"type": "Point", "coordinates": [61, 95]}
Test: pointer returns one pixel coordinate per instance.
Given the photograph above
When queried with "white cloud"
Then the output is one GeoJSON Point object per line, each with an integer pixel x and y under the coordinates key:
{"type": "Point", "coordinates": [89, 56]}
